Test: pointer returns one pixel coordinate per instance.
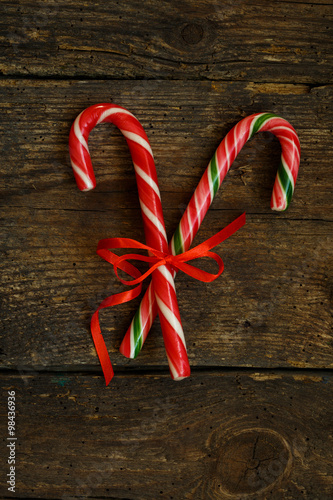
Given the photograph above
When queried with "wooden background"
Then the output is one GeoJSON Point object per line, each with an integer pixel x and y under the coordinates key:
{"type": "Point", "coordinates": [255, 418]}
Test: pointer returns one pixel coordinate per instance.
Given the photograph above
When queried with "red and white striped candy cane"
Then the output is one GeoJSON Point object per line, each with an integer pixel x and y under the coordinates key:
{"type": "Point", "coordinates": [204, 194]}
{"type": "Point", "coordinates": [151, 208]}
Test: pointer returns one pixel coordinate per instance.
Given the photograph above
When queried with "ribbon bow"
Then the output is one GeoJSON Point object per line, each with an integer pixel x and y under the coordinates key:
{"type": "Point", "coordinates": [156, 259]}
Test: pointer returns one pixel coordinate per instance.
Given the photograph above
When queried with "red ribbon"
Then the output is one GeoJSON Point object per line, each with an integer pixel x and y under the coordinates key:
{"type": "Point", "coordinates": [158, 258]}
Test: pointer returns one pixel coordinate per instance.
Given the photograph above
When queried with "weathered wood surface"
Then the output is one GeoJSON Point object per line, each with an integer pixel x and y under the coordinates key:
{"type": "Point", "coordinates": [185, 123]}
{"type": "Point", "coordinates": [228, 431]}
{"type": "Point", "coordinates": [278, 41]}
{"type": "Point", "coordinates": [271, 307]}
{"type": "Point", "coordinates": [214, 436]}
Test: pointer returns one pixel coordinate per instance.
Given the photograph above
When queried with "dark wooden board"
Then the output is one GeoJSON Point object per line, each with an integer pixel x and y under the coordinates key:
{"type": "Point", "coordinates": [254, 421]}
{"type": "Point", "coordinates": [214, 436]}
{"type": "Point", "coordinates": [277, 41]}
{"type": "Point", "coordinates": [271, 307]}
{"type": "Point", "coordinates": [185, 124]}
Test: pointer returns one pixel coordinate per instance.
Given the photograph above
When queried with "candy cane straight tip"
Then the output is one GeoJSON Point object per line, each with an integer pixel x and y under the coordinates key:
{"type": "Point", "coordinates": [204, 194]}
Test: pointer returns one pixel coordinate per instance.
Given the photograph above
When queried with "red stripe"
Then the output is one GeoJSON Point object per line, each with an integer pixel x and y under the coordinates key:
{"type": "Point", "coordinates": [146, 314]}
{"type": "Point", "coordinates": [151, 200]}
{"type": "Point", "coordinates": [127, 123]}
{"type": "Point", "coordinates": [185, 229]}
{"type": "Point", "coordinates": [222, 163]}
{"type": "Point", "coordinates": [176, 352]}
{"type": "Point", "coordinates": [143, 159]}
{"type": "Point", "coordinates": [203, 201]}
{"type": "Point", "coordinates": [279, 195]}
{"type": "Point", "coordinates": [244, 130]}
{"type": "Point", "coordinates": [190, 215]}
{"type": "Point", "coordinates": [232, 146]}
{"type": "Point", "coordinates": [153, 239]}
{"type": "Point", "coordinates": [125, 346]}
{"type": "Point", "coordinates": [166, 292]}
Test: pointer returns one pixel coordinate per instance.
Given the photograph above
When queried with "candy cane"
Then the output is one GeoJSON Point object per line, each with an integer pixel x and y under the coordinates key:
{"type": "Point", "coordinates": [204, 194]}
{"type": "Point", "coordinates": [151, 208]}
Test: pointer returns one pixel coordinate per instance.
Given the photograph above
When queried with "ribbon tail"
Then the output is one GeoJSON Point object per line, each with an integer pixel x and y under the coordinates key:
{"type": "Point", "coordinates": [160, 258]}
{"type": "Point", "coordinates": [102, 352]}
{"type": "Point", "coordinates": [101, 349]}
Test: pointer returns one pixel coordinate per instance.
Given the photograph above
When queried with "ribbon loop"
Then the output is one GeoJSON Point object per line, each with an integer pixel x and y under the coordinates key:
{"type": "Point", "coordinates": [179, 262]}
{"type": "Point", "coordinates": [156, 259]}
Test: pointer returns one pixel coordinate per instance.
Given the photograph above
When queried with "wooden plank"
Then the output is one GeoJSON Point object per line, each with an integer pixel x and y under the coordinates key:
{"type": "Point", "coordinates": [272, 305]}
{"type": "Point", "coordinates": [185, 124]}
{"type": "Point", "coordinates": [277, 41]}
{"type": "Point", "coordinates": [221, 435]}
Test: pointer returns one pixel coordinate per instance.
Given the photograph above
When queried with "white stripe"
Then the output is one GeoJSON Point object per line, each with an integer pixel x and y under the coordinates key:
{"type": "Point", "coordinates": [87, 181]}
{"type": "Point", "coordinates": [274, 207]}
{"type": "Point", "coordinates": [252, 125]}
{"type": "Point", "coordinates": [281, 136]}
{"type": "Point", "coordinates": [282, 127]}
{"type": "Point", "coordinates": [235, 140]}
{"type": "Point", "coordinates": [171, 318]}
{"type": "Point", "coordinates": [78, 133]}
{"type": "Point", "coordinates": [197, 207]}
{"type": "Point", "coordinates": [113, 111]}
{"type": "Point", "coordinates": [148, 213]}
{"type": "Point", "coordinates": [147, 179]}
{"type": "Point", "coordinates": [132, 350]}
{"type": "Point", "coordinates": [172, 369]}
{"type": "Point", "coordinates": [280, 209]}
{"type": "Point", "coordinates": [227, 154]}
{"type": "Point", "coordinates": [190, 225]}
{"type": "Point", "coordinates": [138, 139]}
{"type": "Point", "coordinates": [287, 169]}
{"type": "Point", "coordinates": [167, 275]}
{"type": "Point", "coordinates": [210, 182]}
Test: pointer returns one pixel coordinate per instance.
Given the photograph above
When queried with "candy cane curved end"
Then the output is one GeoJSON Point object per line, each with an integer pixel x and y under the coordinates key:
{"type": "Point", "coordinates": [287, 173]}
{"type": "Point", "coordinates": [81, 128]}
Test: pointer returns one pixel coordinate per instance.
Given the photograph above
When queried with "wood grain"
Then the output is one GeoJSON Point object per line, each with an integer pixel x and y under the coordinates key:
{"type": "Point", "coordinates": [277, 41]}
{"type": "Point", "coordinates": [214, 436]}
{"type": "Point", "coordinates": [185, 124]}
{"type": "Point", "coordinates": [254, 421]}
{"type": "Point", "coordinates": [271, 307]}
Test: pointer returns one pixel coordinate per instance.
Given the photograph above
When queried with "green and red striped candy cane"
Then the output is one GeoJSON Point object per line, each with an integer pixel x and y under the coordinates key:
{"type": "Point", "coordinates": [204, 194]}
{"type": "Point", "coordinates": [152, 214]}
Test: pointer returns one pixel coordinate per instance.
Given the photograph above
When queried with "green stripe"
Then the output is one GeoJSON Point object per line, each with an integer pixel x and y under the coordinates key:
{"type": "Point", "coordinates": [260, 121]}
{"type": "Point", "coordinates": [177, 241]}
{"type": "Point", "coordinates": [137, 331]}
{"type": "Point", "coordinates": [214, 173]}
{"type": "Point", "coordinates": [285, 183]}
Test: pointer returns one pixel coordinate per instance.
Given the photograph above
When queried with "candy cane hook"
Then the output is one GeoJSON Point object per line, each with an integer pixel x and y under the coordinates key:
{"type": "Point", "coordinates": [151, 208]}
{"type": "Point", "coordinates": [204, 194]}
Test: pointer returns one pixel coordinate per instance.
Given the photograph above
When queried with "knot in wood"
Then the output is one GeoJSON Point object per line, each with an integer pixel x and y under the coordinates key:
{"type": "Point", "coordinates": [192, 33]}
{"type": "Point", "coordinates": [251, 461]}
